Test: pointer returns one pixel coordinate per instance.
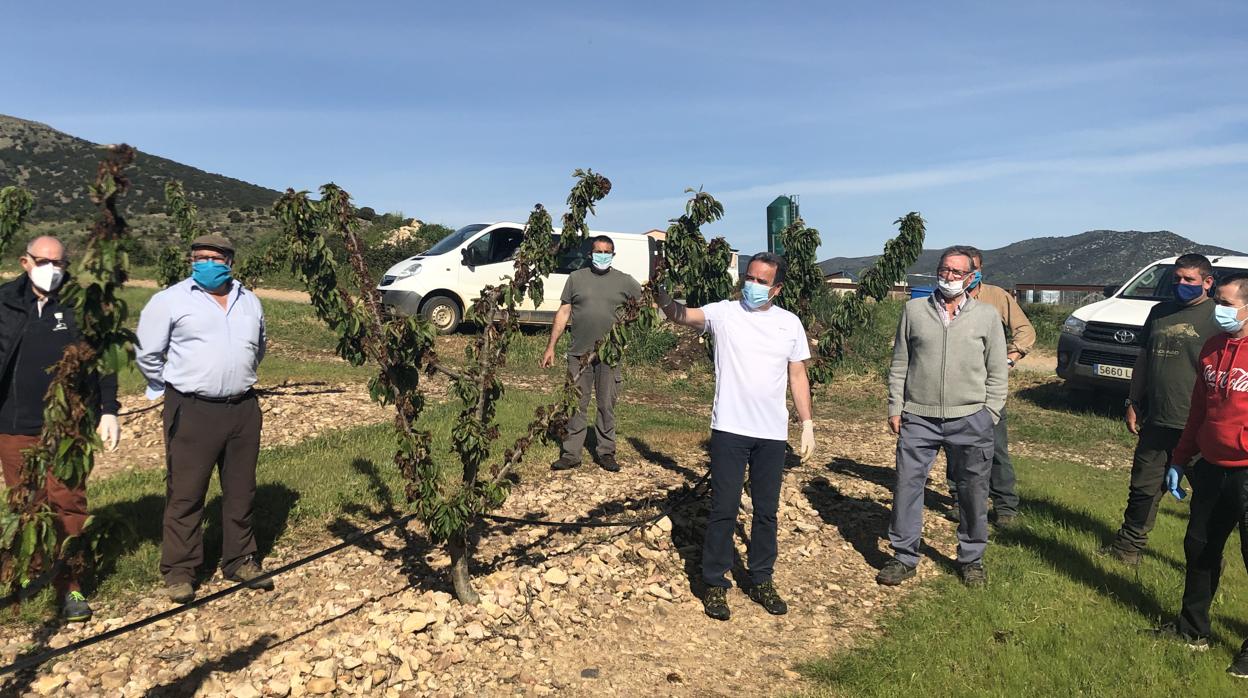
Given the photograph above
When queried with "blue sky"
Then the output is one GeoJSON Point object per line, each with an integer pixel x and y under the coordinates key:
{"type": "Point", "coordinates": [998, 121]}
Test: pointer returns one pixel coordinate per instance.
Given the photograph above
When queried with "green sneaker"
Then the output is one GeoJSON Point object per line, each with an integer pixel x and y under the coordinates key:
{"type": "Point", "coordinates": [76, 608]}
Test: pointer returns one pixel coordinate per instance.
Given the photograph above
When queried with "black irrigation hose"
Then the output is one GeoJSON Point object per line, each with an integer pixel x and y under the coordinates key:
{"type": "Point", "coordinates": [37, 660]}
{"type": "Point", "coordinates": [29, 662]}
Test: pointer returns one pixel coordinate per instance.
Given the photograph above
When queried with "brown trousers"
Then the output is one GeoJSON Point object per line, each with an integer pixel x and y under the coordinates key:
{"type": "Point", "coordinates": [201, 436]}
{"type": "Point", "coordinates": [69, 505]}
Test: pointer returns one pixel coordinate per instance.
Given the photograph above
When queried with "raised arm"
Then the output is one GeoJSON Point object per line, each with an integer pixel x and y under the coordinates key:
{"type": "Point", "coordinates": [678, 312]}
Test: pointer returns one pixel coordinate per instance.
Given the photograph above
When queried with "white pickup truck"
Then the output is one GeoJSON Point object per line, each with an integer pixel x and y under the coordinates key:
{"type": "Point", "coordinates": [1100, 341]}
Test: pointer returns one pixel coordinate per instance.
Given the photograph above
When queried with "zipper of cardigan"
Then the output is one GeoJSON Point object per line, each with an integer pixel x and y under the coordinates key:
{"type": "Point", "coordinates": [944, 354]}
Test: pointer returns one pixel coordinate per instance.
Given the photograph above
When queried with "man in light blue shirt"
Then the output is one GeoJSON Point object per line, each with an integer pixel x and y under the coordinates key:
{"type": "Point", "coordinates": [200, 342]}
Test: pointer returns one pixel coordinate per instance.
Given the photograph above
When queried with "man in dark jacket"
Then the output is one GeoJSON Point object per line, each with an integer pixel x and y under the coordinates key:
{"type": "Point", "coordinates": [34, 331]}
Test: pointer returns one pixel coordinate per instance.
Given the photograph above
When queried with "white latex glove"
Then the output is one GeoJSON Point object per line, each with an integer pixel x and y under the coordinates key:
{"type": "Point", "coordinates": [808, 440]}
{"type": "Point", "coordinates": [109, 431]}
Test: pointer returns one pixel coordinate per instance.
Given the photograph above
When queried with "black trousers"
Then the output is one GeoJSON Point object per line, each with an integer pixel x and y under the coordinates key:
{"type": "Point", "coordinates": [730, 454]}
{"type": "Point", "coordinates": [1148, 485]}
{"type": "Point", "coordinates": [201, 436]}
{"type": "Point", "coordinates": [1218, 499]}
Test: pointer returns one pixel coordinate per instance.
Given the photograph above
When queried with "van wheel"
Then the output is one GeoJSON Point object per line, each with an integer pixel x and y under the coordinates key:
{"type": "Point", "coordinates": [443, 313]}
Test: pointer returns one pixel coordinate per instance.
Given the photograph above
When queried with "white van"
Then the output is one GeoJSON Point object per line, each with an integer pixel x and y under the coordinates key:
{"type": "Point", "coordinates": [441, 282]}
{"type": "Point", "coordinates": [1100, 341]}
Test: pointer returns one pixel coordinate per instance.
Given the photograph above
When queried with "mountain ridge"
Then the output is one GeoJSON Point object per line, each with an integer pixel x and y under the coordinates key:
{"type": "Point", "coordinates": [1094, 257]}
{"type": "Point", "coordinates": [56, 167]}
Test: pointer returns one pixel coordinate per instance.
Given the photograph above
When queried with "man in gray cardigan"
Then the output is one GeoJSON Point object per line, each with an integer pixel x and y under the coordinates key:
{"type": "Point", "coordinates": [946, 389]}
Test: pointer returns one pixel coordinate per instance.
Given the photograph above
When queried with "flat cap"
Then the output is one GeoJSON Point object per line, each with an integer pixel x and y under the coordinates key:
{"type": "Point", "coordinates": [217, 242]}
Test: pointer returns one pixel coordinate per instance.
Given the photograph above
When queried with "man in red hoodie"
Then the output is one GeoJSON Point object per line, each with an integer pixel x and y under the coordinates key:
{"type": "Point", "coordinates": [1217, 430]}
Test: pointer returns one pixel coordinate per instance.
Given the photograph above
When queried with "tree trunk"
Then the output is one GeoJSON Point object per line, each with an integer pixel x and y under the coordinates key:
{"type": "Point", "coordinates": [461, 553]}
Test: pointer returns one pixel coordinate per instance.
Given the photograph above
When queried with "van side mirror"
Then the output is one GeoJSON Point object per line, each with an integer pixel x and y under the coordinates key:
{"type": "Point", "coordinates": [1111, 289]}
{"type": "Point", "coordinates": [466, 253]}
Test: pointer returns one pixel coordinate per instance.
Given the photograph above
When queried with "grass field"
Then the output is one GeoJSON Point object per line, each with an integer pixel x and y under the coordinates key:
{"type": "Point", "coordinates": [1055, 619]}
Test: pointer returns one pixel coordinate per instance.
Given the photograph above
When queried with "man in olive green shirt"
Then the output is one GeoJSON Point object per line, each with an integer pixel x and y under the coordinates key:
{"type": "Point", "coordinates": [590, 299]}
{"type": "Point", "coordinates": [1161, 391]}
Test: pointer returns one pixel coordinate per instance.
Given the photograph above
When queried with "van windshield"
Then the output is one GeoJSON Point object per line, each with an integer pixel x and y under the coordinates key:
{"type": "Point", "coordinates": [455, 239]}
{"type": "Point", "coordinates": [1155, 284]}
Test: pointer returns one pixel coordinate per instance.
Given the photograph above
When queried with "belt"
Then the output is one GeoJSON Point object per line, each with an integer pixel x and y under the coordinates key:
{"type": "Point", "coordinates": [227, 400]}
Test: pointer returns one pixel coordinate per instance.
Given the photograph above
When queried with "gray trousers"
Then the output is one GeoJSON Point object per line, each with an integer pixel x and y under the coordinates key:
{"type": "Point", "coordinates": [967, 442]}
{"type": "Point", "coordinates": [603, 381]}
{"type": "Point", "coordinates": [1002, 486]}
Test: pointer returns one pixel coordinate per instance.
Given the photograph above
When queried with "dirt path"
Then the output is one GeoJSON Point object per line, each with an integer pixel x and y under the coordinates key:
{"type": "Point", "coordinates": [277, 294]}
{"type": "Point", "coordinates": [594, 612]}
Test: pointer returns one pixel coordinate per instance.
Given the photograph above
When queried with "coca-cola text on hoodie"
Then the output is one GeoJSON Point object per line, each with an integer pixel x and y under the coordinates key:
{"type": "Point", "coordinates": [1217, 425]}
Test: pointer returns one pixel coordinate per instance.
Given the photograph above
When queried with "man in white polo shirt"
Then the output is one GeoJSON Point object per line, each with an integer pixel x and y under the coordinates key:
{"type": "Point", "coordinates": [759, 350]}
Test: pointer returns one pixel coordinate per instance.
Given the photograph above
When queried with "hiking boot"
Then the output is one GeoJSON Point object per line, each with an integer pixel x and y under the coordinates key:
{"type": "Point", "coordinates": [894, 572]}
{"type": "Point", "coordinates": [1239, 665]}
{"type": "Point", "coordinates": [564, 464]}
{"type": "Point", "coordinates": [973, 574]}
{"type": "Point", "coordinates": [1170, 631]}
{"type": "Point", "coordinates": [1004, 520]}
{"type": "Point", "coordinates": [715, 603]}
{"type": "Point", "coordinates": [765, 595]}
{"type": "Point", "coordinates": [76, 608]}
{"type": "Point", "coordinates": [608, 463]}
{"type": "Point", "coordinates": [248, 571]}
{"type": "Point", "coordinates": [1126, 557]}
{"type": "Point", "coordinates": [180, 592]}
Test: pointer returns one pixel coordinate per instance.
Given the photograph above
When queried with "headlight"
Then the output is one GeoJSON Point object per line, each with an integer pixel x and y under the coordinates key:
{"type": "Point", "coordinates": [1074, 325]}
{"type": "Point", "coordinates": [409, 270]}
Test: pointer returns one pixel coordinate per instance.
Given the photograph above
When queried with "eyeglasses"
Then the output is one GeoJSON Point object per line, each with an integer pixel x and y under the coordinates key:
{"type": "Point", "coordinates": [209, 258]}
{"type": "Point", "coordinates": [954, 273]}
{"type": "Point", "coordinates": [40, 261]}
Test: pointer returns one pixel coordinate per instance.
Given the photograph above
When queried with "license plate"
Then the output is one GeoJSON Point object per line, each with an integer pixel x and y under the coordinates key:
{"type": "Point", "coordinates": [1108, 371]}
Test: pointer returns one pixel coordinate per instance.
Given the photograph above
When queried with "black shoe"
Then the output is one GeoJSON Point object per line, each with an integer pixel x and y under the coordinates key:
{"type": "Point", "coordinates": [973, 574]}
{"type": "Point", "coordinates": [564, 464]}
{"type": "Point", "coordinates": [608, 463]}
{"type": "Point", "coordinates": [1239, 665]}
{"type": "Point", "coordinates": [1170, 631]}
{"type": "Point", "coordinates": [894, 572]}
{"type": "Point", "coordinates": [76, 608]}
{"type": "Point", "coordinates": [1131, 558]}
{"type": "Point", "coordinates": [765, 595]}
{"type": "Point", "coordinates": [953, 514]}
{"type": "Point", "coordinates": [247, 572]}
{"type": "Point", "coordinates": [715, 603]}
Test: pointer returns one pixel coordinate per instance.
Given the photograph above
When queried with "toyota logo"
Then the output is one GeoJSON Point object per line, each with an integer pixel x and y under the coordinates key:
{"type": "Point", "coordinates": [1124, 336]}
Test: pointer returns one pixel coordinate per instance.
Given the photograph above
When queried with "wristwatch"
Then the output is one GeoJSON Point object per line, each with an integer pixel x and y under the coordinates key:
{"type": "Point", "coordinates": [1127, 403]}
{"type": "Point", "coordinates": [1010, 363]}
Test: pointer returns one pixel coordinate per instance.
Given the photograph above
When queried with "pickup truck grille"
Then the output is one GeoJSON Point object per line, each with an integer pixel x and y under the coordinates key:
{"type": "Point", "coordinates": [1088, 357]}
{"type": "Point", "coordinates": [1110, 333]}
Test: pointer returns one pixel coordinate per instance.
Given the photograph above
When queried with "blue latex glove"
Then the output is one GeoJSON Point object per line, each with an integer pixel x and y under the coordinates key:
{"type": "Point", "coordinates": [1174, 475]}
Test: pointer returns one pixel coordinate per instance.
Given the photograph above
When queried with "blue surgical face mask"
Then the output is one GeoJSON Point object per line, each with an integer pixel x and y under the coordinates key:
{"type": "Point", "coordinates": [1188, 292]}
{"type": "Point", "coordinates": [210, 275]}
{"type": "Point", "coordinates": [602, 260]}
{"type": "Point", "coordinates": [1227, 318]}
{"type": "Point", "coordinates": [755, 294]}
{"type": "Point", "coordinates": [975, 279]}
